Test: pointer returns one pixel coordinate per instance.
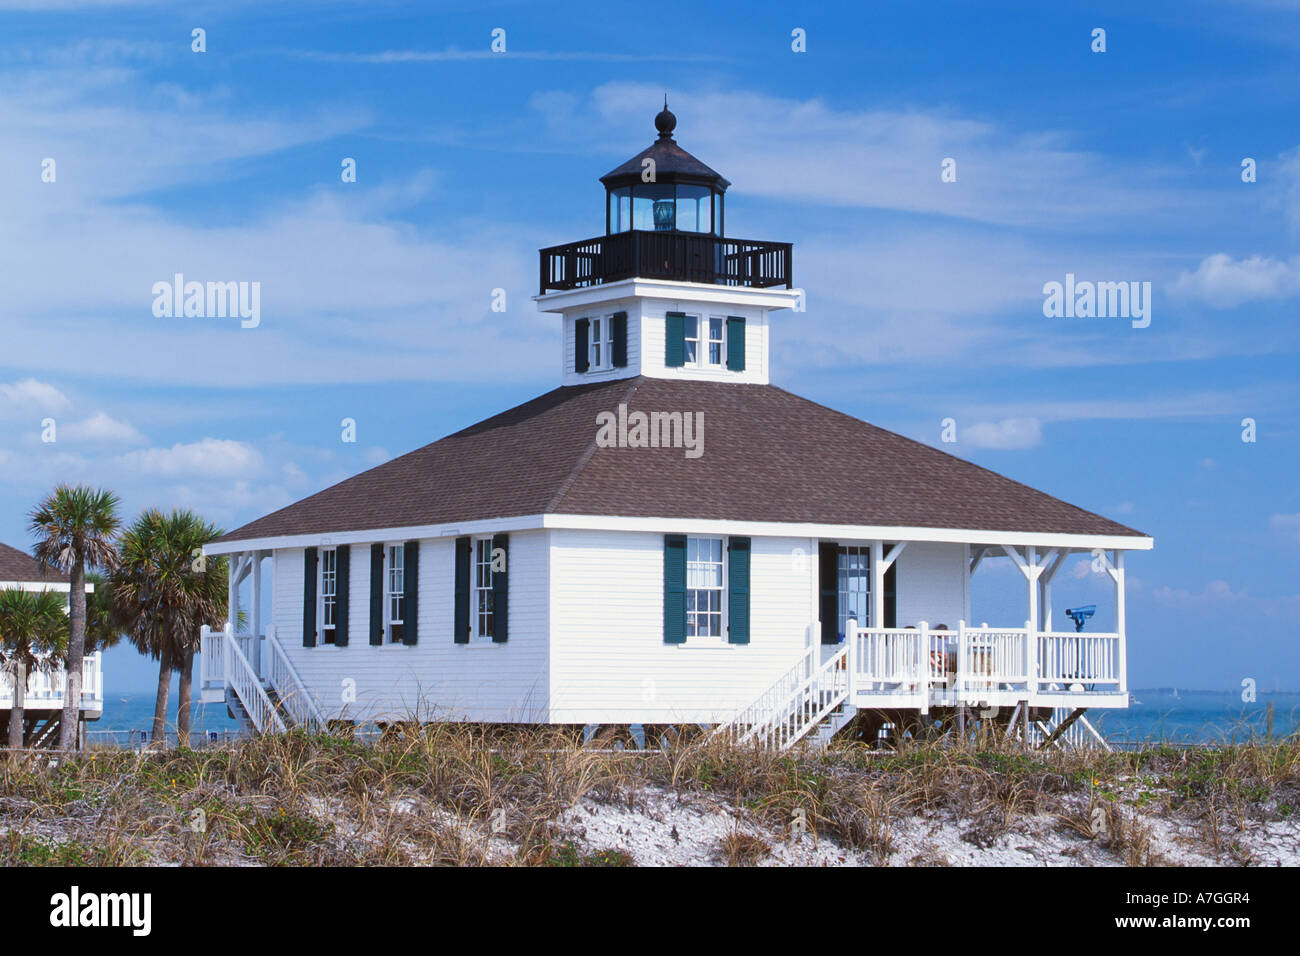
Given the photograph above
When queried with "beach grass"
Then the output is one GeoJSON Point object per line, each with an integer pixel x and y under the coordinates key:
{"type": "Point", "coordinates": [468, 795]}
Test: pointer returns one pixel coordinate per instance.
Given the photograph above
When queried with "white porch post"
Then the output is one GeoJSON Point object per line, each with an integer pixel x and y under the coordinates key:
{"type": "Point", "coordinates": [1121, 627]}
{"type": "Point", "coordinates": [255, 612]}
{"type": "Point", "coordinates": [1032, 570]}
{"type": "Point", "coordinates": [232, 587]}
{"type": "Point", "coordinates": [877, 584]}
{"type": "Point", "coordinates": [1054, 561]}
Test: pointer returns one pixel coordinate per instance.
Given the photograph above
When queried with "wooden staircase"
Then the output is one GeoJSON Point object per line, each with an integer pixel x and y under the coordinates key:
{"type": "Point", "coordinates": [809, 703]}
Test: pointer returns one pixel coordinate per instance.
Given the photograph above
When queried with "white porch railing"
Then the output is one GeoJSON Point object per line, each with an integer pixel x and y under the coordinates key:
{"type": "Point", "coordinates": [45, 689]}
{"type": "Point", "coordinates": [1078, 658]}
{"type": "Point", "coordinates": [909, 660]}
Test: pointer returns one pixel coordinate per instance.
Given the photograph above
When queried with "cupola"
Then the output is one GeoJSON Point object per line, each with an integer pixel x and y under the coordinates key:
{"type": "Point", "coordinates": [665, 293]}
{"type": "Point", "coordinates": [663, 188]}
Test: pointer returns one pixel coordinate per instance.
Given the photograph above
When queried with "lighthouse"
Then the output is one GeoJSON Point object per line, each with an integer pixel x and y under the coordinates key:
{"type": "Point", "coordinates": [665, 292]}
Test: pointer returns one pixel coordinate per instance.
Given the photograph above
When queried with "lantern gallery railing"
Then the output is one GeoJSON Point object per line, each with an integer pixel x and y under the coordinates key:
{"type": "Point", "coordinates": [686, 256]}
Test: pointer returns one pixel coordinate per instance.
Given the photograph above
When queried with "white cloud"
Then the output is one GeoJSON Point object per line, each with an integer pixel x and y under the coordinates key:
{"type": "Point", "coordinates": [1009, 433]}
{"type": "Point", "coordinates": [1223, 282]}
{"type": "Point", "coordinates": [30, 397]}
{"type": "Point", "coordinates": [1287, 524]}
{"type": "Point", "coordinates": [213, 457]}
{"type": "Point", "coordinates": [101, 427]}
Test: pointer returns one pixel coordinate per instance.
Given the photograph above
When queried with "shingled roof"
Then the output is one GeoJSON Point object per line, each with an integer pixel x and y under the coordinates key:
{"type": "Point", "coordinates": [17, 565]}
{"type": "Point", "coordinates": [769, 455]}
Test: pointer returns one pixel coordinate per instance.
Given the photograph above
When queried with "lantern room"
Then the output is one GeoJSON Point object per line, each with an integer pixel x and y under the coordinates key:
{"type": "Point", "coordinates": [664, 189]}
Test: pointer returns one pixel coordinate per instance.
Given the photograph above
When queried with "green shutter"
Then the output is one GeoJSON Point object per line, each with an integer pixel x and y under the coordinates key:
{"type": "Point", "coordinates": [309, 598]}
{"type": "Point", "coordinates": [500, 590]}
{"type": "Point", "coordinates": [377, 594]}
{"type": "Point", "coordinates": [735, 343]}
{"type": "Point", "coordinates": [619, 358]}
{"type": "Point", "coordinates": [460, 623]}
{"type": "Point", "coordinates": [410, 591]}
{"type": "Point", "coordinates": [342, 578]}
{"type": "Point", "coordinates": [674, 589]}
{"type": "Point", "coordinates": [738, 591]}
{"type": "Point", "coordinates": [581, 332]}
{"type": "Point", "coordinates": [675, 340]}
{"type": "Point", "coordinates": [828, 584]}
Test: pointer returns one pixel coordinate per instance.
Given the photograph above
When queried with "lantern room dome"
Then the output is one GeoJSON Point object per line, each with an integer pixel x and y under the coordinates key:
{"type": "Point", "coordinates": [665, 188]}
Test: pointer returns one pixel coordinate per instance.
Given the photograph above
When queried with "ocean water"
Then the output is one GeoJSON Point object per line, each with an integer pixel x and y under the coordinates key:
{"type": "Point", "coordinates": [1197, 716]}
{"type": "Point", "coordinates": [1164, 714]}
{"type": "Point", "coordinates": [128, 715]}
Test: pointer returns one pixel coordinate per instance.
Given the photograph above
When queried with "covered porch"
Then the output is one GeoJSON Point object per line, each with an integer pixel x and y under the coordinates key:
{"type": "Point", "coordinates": [897, 663]}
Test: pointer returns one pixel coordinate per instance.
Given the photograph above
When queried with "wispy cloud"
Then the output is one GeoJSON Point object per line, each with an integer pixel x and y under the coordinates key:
{"type": "Point", "coordinates": [1223, 282]}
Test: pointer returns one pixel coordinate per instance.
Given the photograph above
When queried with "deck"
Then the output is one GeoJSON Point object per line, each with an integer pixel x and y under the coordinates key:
{"type": "Point", "coordinates": [45, 689]}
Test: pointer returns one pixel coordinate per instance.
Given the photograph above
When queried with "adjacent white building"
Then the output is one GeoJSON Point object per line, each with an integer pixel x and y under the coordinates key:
{"type": "Point", "coordinates": [666, 538]}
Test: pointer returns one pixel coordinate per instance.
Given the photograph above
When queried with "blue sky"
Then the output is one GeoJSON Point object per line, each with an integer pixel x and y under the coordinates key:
{"type": "Point", "coordinates": [924, 298]}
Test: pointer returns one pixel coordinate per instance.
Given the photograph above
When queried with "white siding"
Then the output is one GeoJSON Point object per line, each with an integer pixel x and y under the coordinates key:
{"type": "Point", "coordinates": [653, 331]}
{"type": "Point", "coordinates": [436, 677]}
{"type": "Point", "coordinates": [645, 342]}
{"type": "Point", "coordinates": [633, 309]}
{"type": "Point", "coordinates": [932, 583]}
{"type": "Point", "coordinates": [609, 662]}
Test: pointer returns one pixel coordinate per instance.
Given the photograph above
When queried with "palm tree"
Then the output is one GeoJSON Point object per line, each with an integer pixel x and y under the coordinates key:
{"type": "Point", "coordinates": [33, 637]}
{"type": "Point", "coordinates": [74, 528]}
{"type": "Point", "coordinates": [162, 595]}
{"type": "Point", "coordinates": [103, 629]}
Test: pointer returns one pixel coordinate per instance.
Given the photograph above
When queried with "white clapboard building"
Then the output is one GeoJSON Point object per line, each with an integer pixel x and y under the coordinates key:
{"type": "Point", "coordinates": [43, 698]}
{"type": "Point", "coordinates": [666, 538]}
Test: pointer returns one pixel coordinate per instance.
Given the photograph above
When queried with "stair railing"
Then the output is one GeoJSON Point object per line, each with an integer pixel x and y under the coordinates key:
{"type": "Point", "coordinates": [243, 680]}
{"type": "Point", "coordinates": [781, 690]}
{"type": "Point", "coordinates": [795, 703]}
{"type": "Point", "coordinates": [811, 703]}
{"type": "Point", "coordinates": [298, 702]}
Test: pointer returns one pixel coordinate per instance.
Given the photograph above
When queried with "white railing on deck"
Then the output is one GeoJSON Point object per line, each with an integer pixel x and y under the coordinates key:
{"type": "Point", "coordinates": [981, 658]}
{"type": "Point", "coordinates": [293, 693]}
{"type": "Point", "coordinates": [45, 688]}
{"type": "Point", "coordinates": [1078, 658]}
{"type": "Point", "coordinates": [238, 673]}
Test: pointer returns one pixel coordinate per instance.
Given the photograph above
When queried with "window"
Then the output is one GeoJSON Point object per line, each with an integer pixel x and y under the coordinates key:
{"type": "Point", "coordinates": [395, 593]}
{"type": "Point", "coordinates": [692, 340]}
{"type": "Point", "coordinates": [704, 582]}
{"type": "Point", "coordinates": [601, 348]}
{"type": "Point", "coordinates": [481, 596]}
{"type": "Point", "coordinates": [716, 325]}
{"type": "Point", "coordinates": [854, 575]}
{"type": "Point", "coordinates": [328, 594]}
{"type": "Point", "coordinates": [705, 340]}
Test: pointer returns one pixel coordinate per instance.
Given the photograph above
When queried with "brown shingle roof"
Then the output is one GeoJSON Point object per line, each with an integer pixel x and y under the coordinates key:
{"type": "Point", "coordinates": [17, 565]}
{"type": "Point", "coordinates": [769, 455]}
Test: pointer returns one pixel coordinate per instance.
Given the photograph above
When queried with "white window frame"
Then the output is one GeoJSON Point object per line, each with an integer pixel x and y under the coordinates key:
{"type": "Point", "coordinates": [703, 339]}
{"type": "Point", "coordinates": [692, 543]}
{"type": "Point", "coordinates": [706, 353]}
{"type": "Point", "coordinates": [392, 548]}
{"type": "Point", "coordinates": [600, 342]}
{"type": "Point", "coordinates": [324, 600]}
{"type": "Point", "coordinates": [477, 590]}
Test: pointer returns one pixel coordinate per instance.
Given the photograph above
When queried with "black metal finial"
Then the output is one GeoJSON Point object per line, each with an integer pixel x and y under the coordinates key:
{"type": "Point", "coordinates": [665, 122]}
